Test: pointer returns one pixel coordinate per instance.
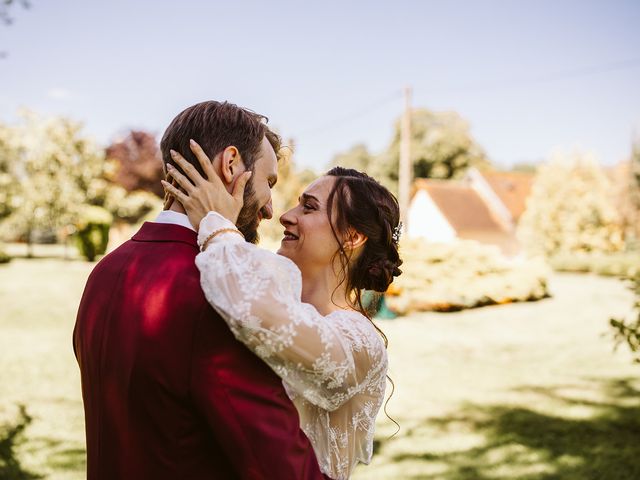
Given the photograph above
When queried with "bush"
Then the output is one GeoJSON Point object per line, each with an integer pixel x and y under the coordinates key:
{"type": "Point", "coordinates": [622, 264]}
{"type": "Point", "coordinates": [4, 257]}
{"type": "Point", "coordinates": [465, 274]}
{"type": "Point", "coordinates": [570, 209]}
{"type": "Point", "coordinates": [92, 235]}
{"type": "Point", "coordinates": [131, 207]}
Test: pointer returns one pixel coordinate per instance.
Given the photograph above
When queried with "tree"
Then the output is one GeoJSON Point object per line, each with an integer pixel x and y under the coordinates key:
{"type": "Point", "coordinates": [628, 331]}
{"type": "Point", "coordinates": [51, 170]}
{"type": "Point", "coordinates": [628, 196]}
{"type": "Point", "coordinates": [570, 209]}
{"type": "Point", "coordinates": [9, 184]}
{"type": "Point", "coordinates": [357, 157]}
{"type": "Point", "coordinates": [6, 18]}
{"type": "Point", "coordinates": [4, 10]}
{"type": "Point", "coordinates": [137, 163]}
{"type": "Point", "coordinates": [441, 147]}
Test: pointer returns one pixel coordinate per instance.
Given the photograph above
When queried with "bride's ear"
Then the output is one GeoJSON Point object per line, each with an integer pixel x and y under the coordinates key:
{"type": "Point", "coordinates": [354, 240]}
{"type": "Point", "coordinates": [230, 164]}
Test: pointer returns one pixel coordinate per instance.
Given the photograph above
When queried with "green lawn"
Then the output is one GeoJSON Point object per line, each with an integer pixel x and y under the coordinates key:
{"type": "Point", "coordinates": [521, 391]}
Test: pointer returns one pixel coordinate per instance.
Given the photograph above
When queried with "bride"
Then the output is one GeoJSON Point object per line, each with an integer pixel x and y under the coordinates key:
{"type": "Point", "coordinates": [300, 310]}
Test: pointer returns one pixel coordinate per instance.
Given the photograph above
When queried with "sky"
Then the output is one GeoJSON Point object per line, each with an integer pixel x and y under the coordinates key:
{"type": "Point", "coordinates": [530, 77]}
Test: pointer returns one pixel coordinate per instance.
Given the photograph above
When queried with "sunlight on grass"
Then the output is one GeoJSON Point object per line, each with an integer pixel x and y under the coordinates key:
{"type": "Point", "coordinates": [40, 298]}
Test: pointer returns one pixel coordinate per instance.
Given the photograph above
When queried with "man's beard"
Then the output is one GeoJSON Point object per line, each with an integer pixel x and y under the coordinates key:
{"type": "Point", "coordinates": [248, 219]}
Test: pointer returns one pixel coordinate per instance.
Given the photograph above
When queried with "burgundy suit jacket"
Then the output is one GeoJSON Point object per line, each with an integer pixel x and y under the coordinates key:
{"type": "Point", "coordinates": [168, 392]}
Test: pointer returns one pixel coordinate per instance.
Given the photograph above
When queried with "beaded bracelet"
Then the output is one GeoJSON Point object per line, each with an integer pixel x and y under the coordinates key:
{"type": "Point", "coordinates": [216, 233]}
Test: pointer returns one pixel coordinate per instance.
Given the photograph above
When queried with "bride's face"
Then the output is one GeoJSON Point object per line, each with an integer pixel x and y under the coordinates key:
{"type": "Point", "coordinates": [308, 239]}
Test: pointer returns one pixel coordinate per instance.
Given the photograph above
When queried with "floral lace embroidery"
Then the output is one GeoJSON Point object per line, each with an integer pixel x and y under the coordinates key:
{"type": "Point", "coordinates": [333, 367]}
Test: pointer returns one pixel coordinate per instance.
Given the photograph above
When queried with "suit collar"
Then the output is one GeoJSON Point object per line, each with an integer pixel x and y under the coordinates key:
{"type": "Point", "coordinates": [165, 232]}
{"type": "Point", "coordinates": [176, 218]}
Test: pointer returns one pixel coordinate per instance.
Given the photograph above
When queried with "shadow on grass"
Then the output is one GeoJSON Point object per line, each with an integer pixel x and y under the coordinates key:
{"type": "Point", "coordinates": [525, 444]}
{"type": "Point", "coordinates": [68, 459]}
{"type": "Point", "coordinates": [11, 435]}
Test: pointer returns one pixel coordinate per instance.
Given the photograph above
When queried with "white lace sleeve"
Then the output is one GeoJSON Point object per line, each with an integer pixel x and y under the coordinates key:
{"type": "Point", "coordinates": [258, 294]}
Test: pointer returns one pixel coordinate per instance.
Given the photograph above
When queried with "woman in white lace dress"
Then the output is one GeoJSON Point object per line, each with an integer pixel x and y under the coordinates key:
{"type": "Point", "coordinates": [300, 310]}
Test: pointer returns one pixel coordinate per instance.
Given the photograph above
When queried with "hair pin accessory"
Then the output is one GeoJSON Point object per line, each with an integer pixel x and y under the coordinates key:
{"type": "Point", "coordinates": [396, 233]}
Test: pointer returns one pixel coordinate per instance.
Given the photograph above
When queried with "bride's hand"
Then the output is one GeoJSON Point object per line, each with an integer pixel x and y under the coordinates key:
{"type": "Point", "coordinates": [200, 195]}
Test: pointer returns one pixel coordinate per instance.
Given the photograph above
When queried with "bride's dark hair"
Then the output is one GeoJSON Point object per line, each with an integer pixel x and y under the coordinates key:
{"type": "Point", "coordinates": [360, 202]}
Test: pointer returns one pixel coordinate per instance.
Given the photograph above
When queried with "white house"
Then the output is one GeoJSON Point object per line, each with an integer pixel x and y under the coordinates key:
{"type": "Point", "coordinates": [446, 210]}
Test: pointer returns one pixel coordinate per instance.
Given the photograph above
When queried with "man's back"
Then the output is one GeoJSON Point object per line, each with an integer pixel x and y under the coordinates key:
{"type": "Point", "coordinates": [168, 391]}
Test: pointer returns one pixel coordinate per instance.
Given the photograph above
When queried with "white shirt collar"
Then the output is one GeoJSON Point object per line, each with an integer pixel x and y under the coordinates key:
{"type": "Point", "coordinates": [174, 218]}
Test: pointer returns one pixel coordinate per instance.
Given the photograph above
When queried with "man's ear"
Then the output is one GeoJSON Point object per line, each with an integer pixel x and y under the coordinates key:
{"type": "Point", "coordinates": [230, 164]}
{"type": "Point", "coordinates": [354, 240]}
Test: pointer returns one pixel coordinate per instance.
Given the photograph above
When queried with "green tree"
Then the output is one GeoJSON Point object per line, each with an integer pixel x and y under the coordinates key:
{"type": "Point", "coordinates": [441, 147]}
{"type": "Point", "coordinates": [52, 168]}
{"type": "Point", "coordinates": [570, 209]}
{"type": "Point", "coordinates": [628, 331]}
{"type": "Point", "coordinates": [9, 185]}
{"type": "Point", "coordinates": [357, 157]}
{"type": "Point", "coordinates": [629, 197]}
{"type": "Point", "coordinates": [5, 17]}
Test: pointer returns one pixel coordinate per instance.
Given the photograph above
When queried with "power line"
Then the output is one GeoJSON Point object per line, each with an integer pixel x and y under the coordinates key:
{"type": "Point", "coordinates": [339, 121]}
{"type": "Point", "coordinates": [551, 77]}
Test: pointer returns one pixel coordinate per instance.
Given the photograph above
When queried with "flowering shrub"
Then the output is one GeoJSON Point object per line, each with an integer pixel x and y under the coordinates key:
{"type": "Point", "coordinates": [465, 274]}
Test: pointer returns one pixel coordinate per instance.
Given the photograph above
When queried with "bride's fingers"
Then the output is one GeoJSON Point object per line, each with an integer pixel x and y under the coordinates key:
{"type": "Point", "coordinates": [182, 198]}
{"type": "Point", "coordinates": [241, 183]}
{"type": "Point", "coordinates": [204, 160]}
{"type": "Point", "coordinates": [187, 168]}
{"type": "Point", "coordinates": [180, 179]}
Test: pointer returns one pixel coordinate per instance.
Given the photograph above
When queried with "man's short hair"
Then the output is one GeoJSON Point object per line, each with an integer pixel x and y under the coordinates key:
{"type": "Point", "coordinates": [216, 126]}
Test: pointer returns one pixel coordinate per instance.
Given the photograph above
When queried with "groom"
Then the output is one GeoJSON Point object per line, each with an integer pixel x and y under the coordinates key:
{"type": "Point", "coordinates": [168, 392]}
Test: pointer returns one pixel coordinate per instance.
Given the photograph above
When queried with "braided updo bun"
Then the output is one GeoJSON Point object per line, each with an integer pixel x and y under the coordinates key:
{"type": "Point", "coordinates": [360, 202]}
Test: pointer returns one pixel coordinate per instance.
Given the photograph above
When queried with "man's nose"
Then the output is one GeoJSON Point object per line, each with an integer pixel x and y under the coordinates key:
{"type": "Point", "coordinates": [268, 210]}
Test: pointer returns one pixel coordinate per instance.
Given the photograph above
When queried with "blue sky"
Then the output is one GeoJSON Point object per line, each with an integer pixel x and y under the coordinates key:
{"type": "Point", "coordinates": [528, 76]}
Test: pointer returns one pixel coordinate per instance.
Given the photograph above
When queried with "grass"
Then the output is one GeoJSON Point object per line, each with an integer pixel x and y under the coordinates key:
{"type": "Point", "coordinates": [38, 371]}
{"type": "Point", "coordinates": [521, 391]}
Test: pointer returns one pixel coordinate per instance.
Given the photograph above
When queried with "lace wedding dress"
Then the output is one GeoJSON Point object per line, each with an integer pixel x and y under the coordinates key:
{"type": "Point", "coordinates": [333, 367]}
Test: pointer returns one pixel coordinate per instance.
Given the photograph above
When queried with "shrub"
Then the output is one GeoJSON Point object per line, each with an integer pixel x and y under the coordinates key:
{"type": "Point", "coordinates": [4, 257]}
{"type": "Point", "coordinates": [465, 274]}
{"type": "Point", "coordinates": [131, 207]}
{"type": "Point", "coordinates": [92, 234]}
{"type": "Point", "coordinates": [621, 264]}
{"type": "Point", "coordinates": [570, 209]}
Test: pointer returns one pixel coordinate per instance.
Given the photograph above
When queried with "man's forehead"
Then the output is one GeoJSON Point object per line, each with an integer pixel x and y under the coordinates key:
{"type": "Point", "coordinates": [269, 158]}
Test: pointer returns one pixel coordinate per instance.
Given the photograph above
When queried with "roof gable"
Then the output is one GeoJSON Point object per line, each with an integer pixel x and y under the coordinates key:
{"type": "Point", "coordinates": [513, 189]}
{"type": "Point", "coordinates": [461, 205]}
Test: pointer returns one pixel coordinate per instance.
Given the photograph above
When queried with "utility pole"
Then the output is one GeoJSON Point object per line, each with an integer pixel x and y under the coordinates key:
{"type": "Point", "coordinates": [405, 170]}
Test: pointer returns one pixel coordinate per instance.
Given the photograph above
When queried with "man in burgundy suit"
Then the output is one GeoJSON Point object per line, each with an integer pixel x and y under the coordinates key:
{"type": "Point", "coordinates": [168, 391]}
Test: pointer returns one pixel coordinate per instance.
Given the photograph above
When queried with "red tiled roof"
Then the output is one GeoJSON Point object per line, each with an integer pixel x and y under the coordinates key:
{"type": "Point", "coordinates": [461, 205]}
{"type": "Point", "coordinates": [513, 188]}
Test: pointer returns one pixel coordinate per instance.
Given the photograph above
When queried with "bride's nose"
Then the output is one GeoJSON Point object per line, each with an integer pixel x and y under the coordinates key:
{"type": "Point", "coordinates": [288, 218]}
